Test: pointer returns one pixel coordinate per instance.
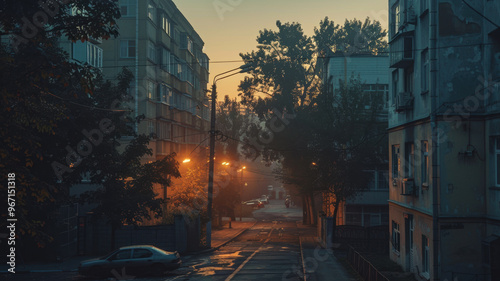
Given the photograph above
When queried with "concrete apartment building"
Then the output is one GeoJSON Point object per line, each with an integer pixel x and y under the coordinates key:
{"type": "Point", "coordinates": [165, 54]}
{"type": "Point", "coordinates": [369, 208]}
{"type": "Point", "coordinates": [444, 138]}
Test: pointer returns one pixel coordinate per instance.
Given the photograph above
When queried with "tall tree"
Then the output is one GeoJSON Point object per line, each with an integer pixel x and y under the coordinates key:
{"type": "Point", "coordinates": [285, 90]}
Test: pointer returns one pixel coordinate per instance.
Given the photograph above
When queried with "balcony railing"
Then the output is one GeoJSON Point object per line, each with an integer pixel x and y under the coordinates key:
{"type": "Point", "coordinates": [402, 51]}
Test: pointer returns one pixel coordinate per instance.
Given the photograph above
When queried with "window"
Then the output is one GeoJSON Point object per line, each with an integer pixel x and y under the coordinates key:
{"type": "Point", "coordinates": [151, 11]}
{"type": "Point", "coordinates": [122, 255]}
{"type": "Point", "coordinates": [396, 18]}
{"type": "Point", "coordinates": [165, 24]}
{"type": "Point", "coordinates": [127, 48]}
{"type": "Point", "coordinates": [425, 254]}
{"type": "Point", "coordinates": [165, 94]}
{"type": "Point", "coordinates": [141, 254]}
{"type": "Point", "coordinates": [151, 51]}
{"type": "Point", "coordinates": [151, 128]}
{"type": "Point", "coordinates": [151, 90]}
{"type": "Point", "coordinates": [383, 182]}
{"type": "Point", "coordinates": [497, 161]}
{"type": "Point", "coordinates": [425, 70]}
{"type": "Point", "coordinates": [409, 159]}
{"type": "Point", "coordinates": [127, 8]}
{"type": "Point", "coordinates": [165, 60]}
{"type": "Point", "coordinates": [409, 80]}
{"type": "Point", "coordinates": [425, 162]}
{"type": "Point", "coordinates": [395, 236]}
{"type": "Point", "coordinates": [395, 81]}
{"type": "Point", "coordinates": [396, 162]}
{"type": "Point", "coordinates": [424, 6]}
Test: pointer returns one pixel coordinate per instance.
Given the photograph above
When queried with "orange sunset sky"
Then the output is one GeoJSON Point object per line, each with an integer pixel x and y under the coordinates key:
{"type": "Point", "coordinates": [230, 27]}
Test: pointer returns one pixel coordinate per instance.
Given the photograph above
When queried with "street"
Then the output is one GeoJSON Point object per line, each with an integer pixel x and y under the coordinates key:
{"type": "Point", "coordinates": [269, 250]}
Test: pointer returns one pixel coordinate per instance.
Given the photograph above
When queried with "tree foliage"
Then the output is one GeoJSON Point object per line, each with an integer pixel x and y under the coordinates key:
{"type": "Point", "coordinates": [322, 140]}
{"type": "Point", "coordinates": [62, 122]}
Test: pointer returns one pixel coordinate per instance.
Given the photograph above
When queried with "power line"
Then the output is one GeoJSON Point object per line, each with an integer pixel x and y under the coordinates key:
{"type": "Point", "coordinates": [479, 13]}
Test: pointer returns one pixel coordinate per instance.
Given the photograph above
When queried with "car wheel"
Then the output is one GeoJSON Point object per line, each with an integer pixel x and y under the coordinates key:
{"type": "Point", "coordinates": [158, 269]}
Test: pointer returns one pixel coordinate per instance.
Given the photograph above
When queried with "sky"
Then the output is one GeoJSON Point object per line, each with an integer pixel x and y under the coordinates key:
{"type": "Point", "coordinates": [231, 27]}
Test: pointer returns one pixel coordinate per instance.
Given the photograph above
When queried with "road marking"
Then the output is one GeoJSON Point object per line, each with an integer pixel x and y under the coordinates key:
{"type": "Point", "coordinates": [248, 259]}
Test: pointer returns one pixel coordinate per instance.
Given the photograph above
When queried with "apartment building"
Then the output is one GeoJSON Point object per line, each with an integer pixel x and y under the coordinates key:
{"type": "Point", "coordinates": [444, 138]}
{"type": "Point", "coordinates": [165, 54]}
{"type": "Point", "coordinates": [369, 207]}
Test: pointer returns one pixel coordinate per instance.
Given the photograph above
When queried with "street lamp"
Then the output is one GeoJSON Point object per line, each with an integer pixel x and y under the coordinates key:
{"type": "Point", "coordinates": [242, 69]}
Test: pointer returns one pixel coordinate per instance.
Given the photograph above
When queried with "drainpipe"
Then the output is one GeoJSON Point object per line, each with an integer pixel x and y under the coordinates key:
{"type": "Point", "coordinates": [136, 65]}
{"type": "Point", "coordinates": [433, 24]}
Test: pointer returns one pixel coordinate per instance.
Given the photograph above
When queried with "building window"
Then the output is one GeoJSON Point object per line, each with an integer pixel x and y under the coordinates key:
{"type": "Point", "coordinates": [409, 80]}
{"type": "Point", "coordinates": [425, 254]}
{"type": "Point", "coordinates": [165, 24]}
{"type": "Point", "coordinates": [151, 51]}
{"type": "Point", "coordinates": [127, 48]}
{"type": "Point", "coordinates": [151, 90]}
{"type": "Point", "coordinates": [424, 6]}
{"type": "Point", "coordinates": [409, 160]}
{"type": "Point", "coordinates": [165, 60]}
{"type": "Point", "coordinates": [395, 81]}
{"type": "Point", "coordinates": [395, 236]}
{"type": "Point", "coordinates": [425, 71]}
{"type": "Point", "coordinates": [396, 162]}
{"type": "Point", "coordinates": [127, 8]}
{"type": "Point", "coordinates": [165, 94]}
{"type": "Point", "coordinates": [396, 18]}
{"type": "Point", "coordinates": [151, 11]}
{"type": "Point", "coordinates": [425, 162]}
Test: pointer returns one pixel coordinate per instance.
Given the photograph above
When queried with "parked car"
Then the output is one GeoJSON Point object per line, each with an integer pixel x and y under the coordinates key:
{"type": "Point", "coordinates": [133, 261]}
{"type": "Point", "coordinates": [256, 203]}
{"type": "Point", "coordinates": [264, 199]}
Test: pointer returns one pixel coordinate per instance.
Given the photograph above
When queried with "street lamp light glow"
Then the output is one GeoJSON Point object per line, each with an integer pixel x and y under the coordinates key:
{"type": "Point", "coordinates": [187, 160]}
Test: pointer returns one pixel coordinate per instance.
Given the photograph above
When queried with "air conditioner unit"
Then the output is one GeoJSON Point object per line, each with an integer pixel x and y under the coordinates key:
{"type": "Point", "coordinates": [404, 101]}
{"type": "Point", "coordinates": [408, 187]}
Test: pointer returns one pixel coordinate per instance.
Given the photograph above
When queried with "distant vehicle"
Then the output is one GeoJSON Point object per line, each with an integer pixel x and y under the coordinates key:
{"type": "Point", "coordinates": [256, 203]}
{"type": "Point", "coordinates": [265, 199]}
{"type": "Point", "coordinates": [135, 260]}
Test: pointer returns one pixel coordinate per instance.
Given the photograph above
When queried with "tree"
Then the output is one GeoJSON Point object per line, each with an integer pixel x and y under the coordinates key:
{"type": "Point", "coordinates": [63, 122]}
{"type": "Point", "coordinates": [287, 92]}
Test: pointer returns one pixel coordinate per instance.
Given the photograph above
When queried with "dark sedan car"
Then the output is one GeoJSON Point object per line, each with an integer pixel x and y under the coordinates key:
{"type": "Point", "coordinates": [132, 260]}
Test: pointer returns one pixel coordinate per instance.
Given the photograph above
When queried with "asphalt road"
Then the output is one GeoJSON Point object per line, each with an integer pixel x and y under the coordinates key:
{"type": "Point", "coordinates": [268, 251]}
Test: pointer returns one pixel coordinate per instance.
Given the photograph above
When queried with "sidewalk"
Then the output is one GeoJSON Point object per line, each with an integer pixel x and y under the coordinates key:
{"type": "Point", "coordinates": [220, 238]}
{"type": "Point", "coordinates": [319, 263]}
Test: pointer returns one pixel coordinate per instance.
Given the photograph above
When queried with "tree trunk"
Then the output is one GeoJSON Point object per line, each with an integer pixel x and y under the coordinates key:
{"type": "Point", "coordinates": [334, 225]}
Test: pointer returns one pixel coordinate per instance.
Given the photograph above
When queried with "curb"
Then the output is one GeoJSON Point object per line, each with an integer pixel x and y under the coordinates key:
{"type": "Point", "coordinates": [222, 244]}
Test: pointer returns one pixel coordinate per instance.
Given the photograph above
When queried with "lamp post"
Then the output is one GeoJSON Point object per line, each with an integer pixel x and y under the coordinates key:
{"type": "Point", "coordinates": [242, 69]}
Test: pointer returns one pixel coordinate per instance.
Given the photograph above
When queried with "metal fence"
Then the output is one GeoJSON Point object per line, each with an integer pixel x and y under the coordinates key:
{"type": "Point", "coordinates": [367, 271]}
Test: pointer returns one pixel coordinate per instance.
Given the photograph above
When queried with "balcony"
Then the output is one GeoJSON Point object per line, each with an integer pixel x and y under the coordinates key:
{"type": "Point", "coordinates": [402, 50]}
{"type": "Point", "coordinates": [408, 187]}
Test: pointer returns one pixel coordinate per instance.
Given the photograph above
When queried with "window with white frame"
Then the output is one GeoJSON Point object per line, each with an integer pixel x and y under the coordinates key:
{"type": "Point", "coordinates": [497, 161]}
{"type": "Point", "coordinates": [151, 51]}
{"type": "Point", "coordinates": [151, 11]}
{"type": "Point", "coordinates": [425, 254]}
{"type": "Point", "coordinates": [165, 59]}
{"type": "Point", "coordinates": [425, 70]}
{"type": "Point", "coordinates": [165, 24]}
{"type": "Point", "coordinates": [128, 8]}
{"type": "Point", "coordinates": [425, 162]}
{"type": "Point", "coordinates": [127, 48]}
{"type": "Point", "coordinates": [396, 237]}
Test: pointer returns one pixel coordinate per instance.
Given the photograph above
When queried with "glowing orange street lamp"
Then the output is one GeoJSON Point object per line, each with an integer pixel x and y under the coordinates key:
{"type": "Point", "coordinates": [187, 160]}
